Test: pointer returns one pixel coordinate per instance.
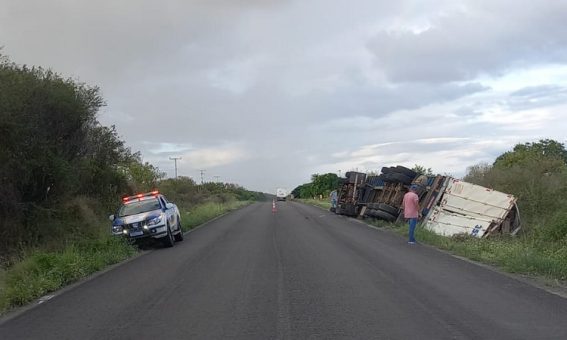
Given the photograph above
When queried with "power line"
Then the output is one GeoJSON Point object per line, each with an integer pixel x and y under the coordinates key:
{"type": "Point", "coordinates": [175, 160]}
{"type": "Point", "coordinates": [216, 178]}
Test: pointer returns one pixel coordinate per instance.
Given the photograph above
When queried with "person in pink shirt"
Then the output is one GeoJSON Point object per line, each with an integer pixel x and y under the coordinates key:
{"type": "Point", "coordinates": [411, 211]}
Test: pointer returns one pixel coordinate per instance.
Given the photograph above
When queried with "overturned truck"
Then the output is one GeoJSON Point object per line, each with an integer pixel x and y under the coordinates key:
{"type": "Point", "coordinates": [449, 206]}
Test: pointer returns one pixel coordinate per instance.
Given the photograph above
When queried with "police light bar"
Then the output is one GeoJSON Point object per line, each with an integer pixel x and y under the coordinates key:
{"type": "Point", "coordinates": [141, 195]}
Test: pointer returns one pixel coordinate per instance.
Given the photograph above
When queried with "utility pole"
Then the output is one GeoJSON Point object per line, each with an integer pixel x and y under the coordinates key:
{"type": "Point", "coordinates": [175, 160]}
{"type": "Point", "coordinates": [202, 176]}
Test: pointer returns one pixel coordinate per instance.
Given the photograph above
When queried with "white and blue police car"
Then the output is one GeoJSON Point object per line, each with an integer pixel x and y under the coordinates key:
{"type": "Point", "coordinates": [148, 215]}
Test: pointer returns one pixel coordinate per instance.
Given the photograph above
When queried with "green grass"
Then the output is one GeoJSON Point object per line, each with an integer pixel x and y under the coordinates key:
{"type": "Point", "coordinates": [40, 272]}
{"type": "Point", "coordinates": [521, 255]}
{"type": "Point", "coordinates": [207, 211]}
{"type": "Point", "coordinates": [326, 204]}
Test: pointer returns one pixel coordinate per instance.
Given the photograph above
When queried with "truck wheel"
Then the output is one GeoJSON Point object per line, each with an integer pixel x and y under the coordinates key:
{"type": "Point", "coordinates": [388, 208]}
{"type": "Point", "coordinates": [168, 240]}
{"type": "Point", "coordinates": [405, 171]}
{"type": "Point", "coordinates": [384, 215]}
{"type": "Point", "coordinates": [397, 177]}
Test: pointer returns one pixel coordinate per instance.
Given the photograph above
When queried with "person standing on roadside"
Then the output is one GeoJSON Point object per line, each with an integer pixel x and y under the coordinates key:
{"type": "Point", "coordinates": [333, 200]}
{"type": "Point", "coordinates": [411, 211]}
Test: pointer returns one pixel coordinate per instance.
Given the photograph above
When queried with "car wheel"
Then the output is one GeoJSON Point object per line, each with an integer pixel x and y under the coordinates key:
{"type": "Point", "coordinates": [168, 240]}
{"type": "Point", "coordinates": [179, 235]}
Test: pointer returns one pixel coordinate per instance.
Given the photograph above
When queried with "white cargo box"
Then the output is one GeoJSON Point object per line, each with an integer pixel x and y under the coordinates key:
{"type": "Point", "coordinates": [468, 208]}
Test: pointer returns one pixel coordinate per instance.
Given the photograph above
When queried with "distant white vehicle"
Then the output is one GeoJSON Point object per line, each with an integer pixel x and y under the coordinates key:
{"type": "Point", "coordinates": [281, 194]}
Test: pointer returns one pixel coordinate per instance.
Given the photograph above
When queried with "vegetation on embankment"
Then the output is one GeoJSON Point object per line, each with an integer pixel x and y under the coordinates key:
{"type": "Point", "coordinates": [62, 173]}
{"type": "Point", "coordinates": [523, 254]}
{"type": "Point", "coordinates": [40, 272]}
{"type": "Point", "coordinates": [208, 211]}
{"type": "Point", "coordinates": [323, 203]}
{"type": "Point", "coordinates": [319, 187]}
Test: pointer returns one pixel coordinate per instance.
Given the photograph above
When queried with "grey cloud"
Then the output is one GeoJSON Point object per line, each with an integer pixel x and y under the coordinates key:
{"type": "Point", "coordinates": [537, 96]}
{"type": "Point", "coordinates": [288, 84]}
{"type": "Point", "coordinates": [485, 37]}
{"type": "Point", "coordinates": [466, 111]}
{"type": "Point", "coordinates": [540, 91]}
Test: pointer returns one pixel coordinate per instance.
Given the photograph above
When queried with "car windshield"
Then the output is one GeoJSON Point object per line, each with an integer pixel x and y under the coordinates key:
{"type": "Point", "coordinates": [138, 207]}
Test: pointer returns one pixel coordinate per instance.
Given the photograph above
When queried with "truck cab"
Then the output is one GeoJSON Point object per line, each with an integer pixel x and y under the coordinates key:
{"type": "Point", "coordinates": [281, 194]}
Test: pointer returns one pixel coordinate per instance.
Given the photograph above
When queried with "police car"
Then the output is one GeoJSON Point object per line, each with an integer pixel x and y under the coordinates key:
{"type": "Point", "coordinates": [148, 215]}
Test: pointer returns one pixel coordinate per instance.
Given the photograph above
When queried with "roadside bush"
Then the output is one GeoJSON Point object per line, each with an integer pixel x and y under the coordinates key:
{"type": "Point", "coordinates": [555, 230]}
{"type": "Point", "coordinates": [524, 254]}
{"type": "Point", "coordinates": [539, 182]}
{"type": "Point", "coordinates": [42, 271]}
{"type": "Point", "coordinates": [54, 152]}
{"type": "Point", "coordinates": [187, 194]}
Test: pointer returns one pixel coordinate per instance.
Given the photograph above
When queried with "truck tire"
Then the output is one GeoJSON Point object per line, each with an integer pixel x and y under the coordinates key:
{"type": "Point", "coordinates": [179, 236]}
{"type": "Point", "coordinates": [372, 206]}
{"type": "Point", "coordinates": [384, 215]}
{"type": "Point", "coordinates": [397, 177]}
{"type": "Point", "coordinates": [403, 170]}
{"type": "Point", "coordinates": [349, 210]}
{"type": "Point", "coordinates": [369, 212]}
{"type": "Point", "coordinates": [388, 208]}
{"type": "Point", "coordinates": [168, 240]}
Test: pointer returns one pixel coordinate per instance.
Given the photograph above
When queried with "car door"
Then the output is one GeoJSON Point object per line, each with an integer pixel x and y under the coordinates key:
{"type": "Point", "coordinates": [169, 212]}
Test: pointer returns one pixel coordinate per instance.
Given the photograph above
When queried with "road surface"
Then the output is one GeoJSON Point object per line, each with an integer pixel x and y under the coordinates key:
{"type": "Point", "coordinates": [301, 273]}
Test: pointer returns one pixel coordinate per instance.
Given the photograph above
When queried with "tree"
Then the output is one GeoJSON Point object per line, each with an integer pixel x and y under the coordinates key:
{"type": "Point", "coordinates": [319, 185]}
{"type": "Point", "coordinates": [478, 173]}
{"type": "Point", "coordinates": [303, 191]}
{"type": "Point", "coordinates": [324, 184]}
{"type": "Point", "coordinates": [53, 152]}
{"type": "Point", "coordinates": [143, 176]}
{"type": "Point", "coordinates": [523, 154]}
{"type": "Point", "coordinates": [535, 173]}
{"type": "Point", "coordinates": [422, 170]}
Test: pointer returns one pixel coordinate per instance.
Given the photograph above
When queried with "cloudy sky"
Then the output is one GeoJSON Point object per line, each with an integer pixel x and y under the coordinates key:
{"type": "Point", "coordinates": [266, 92]}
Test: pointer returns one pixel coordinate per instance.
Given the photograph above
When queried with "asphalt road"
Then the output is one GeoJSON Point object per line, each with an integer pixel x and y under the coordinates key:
{"type": "Point", "coordinates": [297, 274]}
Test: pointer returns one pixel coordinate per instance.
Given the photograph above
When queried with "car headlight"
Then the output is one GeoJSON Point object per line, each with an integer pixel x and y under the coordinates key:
{"type": "Point", "coordinates": [154, 221]}
{"type": "Point", "coordinates": [117, 228]}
